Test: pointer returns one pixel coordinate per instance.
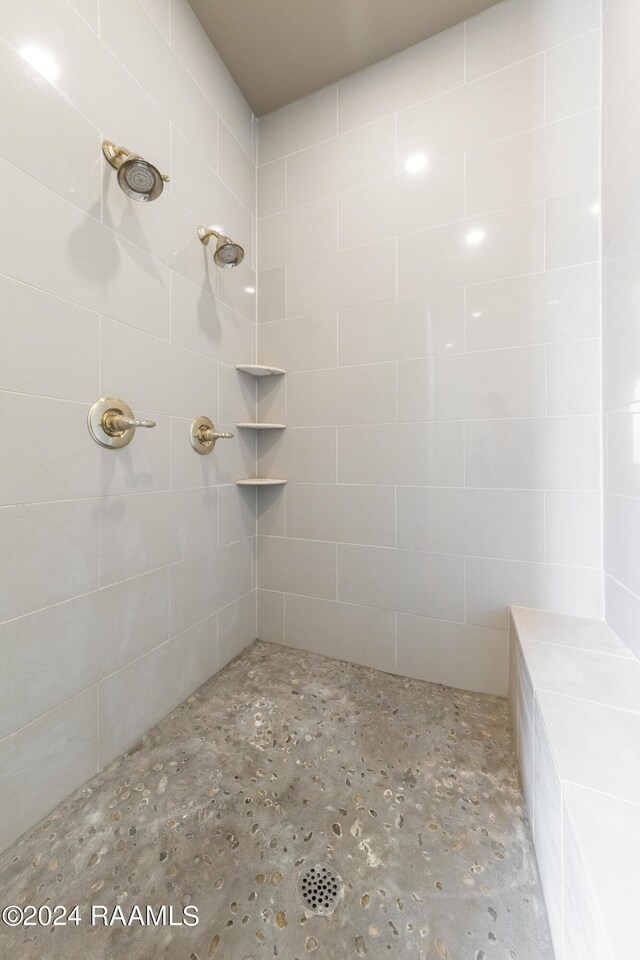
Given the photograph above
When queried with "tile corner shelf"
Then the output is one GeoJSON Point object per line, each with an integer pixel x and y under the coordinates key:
{"type": "Point", "coordinates": [259, 370]}
{"type": "Point", "coordinates": [262, 426]}
{"type": "Point", "coordinates": [260, 482]}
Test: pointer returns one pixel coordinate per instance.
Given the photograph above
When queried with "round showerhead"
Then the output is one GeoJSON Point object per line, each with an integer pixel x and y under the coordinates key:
{"type": "Point", "coordinates": [227, 253]}
{"type": "Point", "coordinates": [138, 178]}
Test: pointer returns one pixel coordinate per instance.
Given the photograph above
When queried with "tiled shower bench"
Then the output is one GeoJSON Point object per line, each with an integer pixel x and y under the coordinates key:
{"type": "Point", "coordinates": [574, 689]}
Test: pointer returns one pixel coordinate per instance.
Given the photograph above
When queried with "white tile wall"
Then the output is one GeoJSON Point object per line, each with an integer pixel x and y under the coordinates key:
{"type": "Point", "coordinates": [575, 699]}
{"type": "Point", "coordinates": [440, 329]}
{"type": "Point", "coordinates": [621, 368]}
{"type": "Point", "coordinates": [130, 572]}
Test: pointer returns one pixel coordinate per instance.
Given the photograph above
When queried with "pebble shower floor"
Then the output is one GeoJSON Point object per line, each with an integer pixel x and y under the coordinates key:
{"type": "Point", "coordinates": [407, 791]}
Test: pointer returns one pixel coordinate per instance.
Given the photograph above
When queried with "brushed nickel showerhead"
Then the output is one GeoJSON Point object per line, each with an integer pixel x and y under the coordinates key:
{"type": "Point", "coordinates": [138, 178]}
{"type": "Point", "coordinates": [227, 253]}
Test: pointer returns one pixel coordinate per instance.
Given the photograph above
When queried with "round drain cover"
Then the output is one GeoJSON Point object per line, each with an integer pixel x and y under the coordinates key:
{"type": "Point", "coordinates": [320, 888]}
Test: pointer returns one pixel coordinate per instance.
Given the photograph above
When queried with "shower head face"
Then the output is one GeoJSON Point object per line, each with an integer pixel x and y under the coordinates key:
{"type": "Point", "coordinates": [140, 180]}
{"type": "Point", "coordinates": [228, 254]}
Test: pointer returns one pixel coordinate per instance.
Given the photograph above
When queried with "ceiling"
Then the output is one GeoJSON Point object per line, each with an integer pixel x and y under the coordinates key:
{"type": "Point", "coordinates": [280, 50]}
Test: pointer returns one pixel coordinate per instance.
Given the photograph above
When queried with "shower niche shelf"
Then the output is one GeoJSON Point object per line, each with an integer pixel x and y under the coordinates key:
{"type": "Point", "coordinates": [262, 426]}
{"type": "Point", "coordinates": [260, 482]}
{"type": "Point", "coordinates": [259, 370]}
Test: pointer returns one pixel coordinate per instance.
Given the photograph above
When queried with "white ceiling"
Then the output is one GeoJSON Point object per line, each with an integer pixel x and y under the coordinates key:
{"type": "Point", "coordinates": [279, 50]}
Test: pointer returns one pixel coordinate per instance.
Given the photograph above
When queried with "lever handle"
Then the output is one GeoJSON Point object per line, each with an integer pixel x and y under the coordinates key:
{"type": "Point", "coordinates": [208, 435]}
{"type": "Point", "coordinates": [203, 435]}
{"type": "Point", "coordinates": [112, 424]}
{"type": "Point", "coordinates": [116, 423]}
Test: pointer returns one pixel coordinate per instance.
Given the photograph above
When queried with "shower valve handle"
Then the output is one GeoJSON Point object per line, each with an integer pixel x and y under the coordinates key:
{"type": "Point", "coordinates": [209, 435]}
{"type": "Point", "coordinates": [112, 424]}
{"type": "Point", "coordinates": [203, 435]}
{"type": "Point", "coordinates": [115, 422]}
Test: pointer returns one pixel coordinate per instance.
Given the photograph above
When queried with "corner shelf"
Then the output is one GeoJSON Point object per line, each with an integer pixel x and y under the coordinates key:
{"type": "Point", "coordinates": [260, 482]}
{"type": "Point", "coordinates": [259, 370]}
{"type": "Point", "coordinates": [262, 426]}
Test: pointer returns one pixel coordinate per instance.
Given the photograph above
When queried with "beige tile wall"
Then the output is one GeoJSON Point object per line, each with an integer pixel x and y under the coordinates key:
{"type": "Point", "coordinates": [126, 577]}
{"type": "Point", "coordinates": [428, 251]}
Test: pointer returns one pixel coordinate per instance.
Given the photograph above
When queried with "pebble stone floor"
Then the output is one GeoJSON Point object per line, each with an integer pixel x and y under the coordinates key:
{"type": "Point", "coordinates": [407, 790]}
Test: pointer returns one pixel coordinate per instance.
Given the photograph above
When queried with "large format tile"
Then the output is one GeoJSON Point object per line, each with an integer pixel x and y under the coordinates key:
{"type": "Point", "coordinates": [550, 160]}
{"type": "Point", "coordinates": [594, 745]}
{"type": "Point", "coordinates": [488, 247]}
{"type": "Point", "coordinates": [73, 56]}
{"type": "Point", "coordinates": [473, 115]}
{"type": "Point", "coordinates": [53, 545]}
{"type": "Point", "coordinates": [202, 323]}
{"type": "Point", "coordinates": [610, 680]}
{"type": "Point", "coordinates": [302, 455]}
{"type": "Point", "coordinates": [402, 204]}
{"type": "Point", "coordinates": [573, 85]}
{"type": "Point", "coordinates": [608, 864]}
{"type": "Point", "coordinates": [159, 71]}
{"type": "Point", "coordinates": [430, 584]}
{"type": "Point", "coordinates": [401, 329]}
{"type": "Point", "coordinates": [418, 73]}
{"type": "Point", "coordinates": [203, 585]}
{"type": "Point", "coordinates": [88, 263]}
{"type": "Point", "coordinates": [155, 375]}
{"type": "Point", "coordinates": [270, 609]}
{"type": "Point", "coordinates": [345, 513]}
{"type": "Point", "coordinates": [149, 530]}
{"type": "Point", "coordinates": [55, 653]}
{"type": "Point", "coordinates": [492, 586]}
{"type": "Point", "coordinates": [237, 627]}
{"type": "Point", "coordinates": [508, 33]}
{"type": "Point", "coordinates": [50, 347]}
{"type": "Point", "coordinates": [335, 629]}
{"type": "Point", "coordinates": [581, 633]}
{"type": "Point", "coordinates": [488, 523]}
{"type": "Point", "coordinates": [298, 125]}
{"type": "Point", "coordinates": [456, 654]}
{"type": "Point", "coordinates": [307, 567]}
{"type": "Point", "coordinates": [344, 395]}
{"type": "Point", "coordinates": [554, 306]}
{"type": "Point", "coordinates": [44, 761]}
{"type": "Point", "coordinates": [298, 234]}
{"type": "Point", "coordinates": [554, 453]}
{"type": "Point", "coordinates": [473, 386]}
{"type": "Point", "coordinates": [306, 343]}
{"type": "Point", "coordinates": [407, 454]}
{"type": "Point", "coordinates": [361, 156]}
{"type": "Point", "coordinates": [68, 464]}
{"type": "Point", "coordinates": [573, 527]}
{"type": "Point", "coordinates": [135, 698]}
{"type": "Point", "coordinates": [547, 824]}
{"type": "Point", "coordinates": [359, 275]}
{"type": "Point", "coordinates": [37, 125]}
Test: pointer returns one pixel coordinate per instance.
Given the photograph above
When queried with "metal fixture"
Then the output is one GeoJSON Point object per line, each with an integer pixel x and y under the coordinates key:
{"type": "Point", "coordinates": [320, 888]}
{"type": "Point", "coordinates": [203, 435]}
{"type": "Point", "coordinates": [227, 253]}
{"type": "Point", "coordinates": [112, 424]}
{"type": "Point", "coordinates": [138, 178]}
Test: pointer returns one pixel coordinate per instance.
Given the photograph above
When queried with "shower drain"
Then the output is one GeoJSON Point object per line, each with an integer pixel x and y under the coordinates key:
{"type": "Point", "coordinates": [320, 888]}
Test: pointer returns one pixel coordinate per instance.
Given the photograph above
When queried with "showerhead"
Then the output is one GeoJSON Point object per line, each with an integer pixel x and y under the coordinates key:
{"type": "Point", "coordinates": [138, 178]}
{"type": "Point", "coordinates": [227, 253]}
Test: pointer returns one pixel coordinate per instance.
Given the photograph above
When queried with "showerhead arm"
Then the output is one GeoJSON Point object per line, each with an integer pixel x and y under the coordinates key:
{"type": "Point", "coordinates": [205, 234]}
